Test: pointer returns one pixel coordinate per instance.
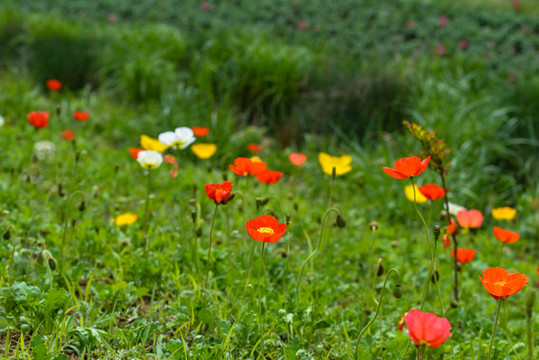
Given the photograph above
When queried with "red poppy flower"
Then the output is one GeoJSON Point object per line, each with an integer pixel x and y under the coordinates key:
{"type": "Point", "coordinates": [199, 131]}
{"type": "Point", "coordinates": [254, 148]}
{"type": "Point", "coordinates": [265, 228]}
{"type": "Point", "coordinates": [68, 135]}
{"type": "Point", "coordinates": [501, 283]}
{"type": "Point", "coordinates": [297, 159]}
{"type": "Point", "coordinates": [432, 192]}
{"type": "Point", "coordinates": [452, 227]}
{"type": "Point", "coordinates": [407, 167]}
{"type": "Point", "coordinates": [463, 255]}
{"type": "Point", "coordinates": [172, 160]}
{"type": "Point", "coordinates": [134, 152]}
{"type": "Point", "coordinates": [219, 192]}
{"type": "Point", "coordinates": [506, 236]}
{"type": "Point", "coordinates": [81, 115]}
{"type": "Point", "coordinates": [38, 119]}
{"type": "Point", "coordinates": [244, 166]}
{"type": "Point", "coordinates": [446, 241]}
{"type": "Point", "coordinates": [470, 218]}
{"type": "Point", "coordinates": [169, 159]}
{"type": "Point", "coordinates": [427, 329]}
{"type": "Point", "coordinates": [54, 85]}
{"type": "Point", "coordinates": [269, 177]}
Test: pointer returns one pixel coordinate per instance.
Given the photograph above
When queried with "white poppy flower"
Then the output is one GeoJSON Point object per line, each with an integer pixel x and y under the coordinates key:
{"type": "Point", "coordinates": [454, 208]}
{"type": "Point", "coordinates": [44, 149]}
{"type": "Point", "coordinates": [180, 138]}
{"type": "Point", "coordinates": [149, 159]}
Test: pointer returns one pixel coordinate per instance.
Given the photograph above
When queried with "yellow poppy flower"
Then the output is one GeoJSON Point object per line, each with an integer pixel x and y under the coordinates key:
{"type": "Point", "coordinates": [256, 159]}
{"type": "Point", "coordinates": [204, 151]}
{"type": "Point", "coordinates": [340, 163]}
{"type": "Point", "coordinates": [409, 193]}
{"type": "Point", "coordinates": [504, 213]}
{"type": "Point", "coordinates": [148, 143]}
{"type": "Point", "coordinates": [125, 219]}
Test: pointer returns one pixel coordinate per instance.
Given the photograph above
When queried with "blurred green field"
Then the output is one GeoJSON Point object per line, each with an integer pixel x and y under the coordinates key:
{"type": "Point", "coordinates": [316, 76]}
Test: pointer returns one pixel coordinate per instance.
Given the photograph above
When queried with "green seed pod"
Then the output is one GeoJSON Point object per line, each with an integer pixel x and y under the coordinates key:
{"type": "Point", "coordinates": [341, 221]}
{"type": "Point", "coordinates": [380, 269]}
{"type": "Point", "coordinates": [373, 225]}
{"type": "Point", "coordinates": [53, 264]}
{"type": "Point", "coordinates": [7, 235]}
{"type": "Point", "coordinates": [261, 202]}
{"type": "Point", "coordinates": [194, 215]}
{"type": "Point", "coordinates": [530, 301]}
{"type": "Point", "coordinates": [454, 304]}
{"type": "Point", "coordinates": [398, 291]}
{"type": "Point", "coordinates": [82, 206]}
{"type": "Point", "coordinates": [287, 219]}
{"type": "Point", "coordinates": [199, 232]}
{"type": "Point", "coordinates": [436, 231]}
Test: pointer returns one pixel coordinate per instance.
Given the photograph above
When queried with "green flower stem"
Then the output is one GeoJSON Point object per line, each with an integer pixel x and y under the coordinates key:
{"type": "Point", "coordinates": [494, 327]}
{"type": "Point", "coordinates": [318, 247]}
{"type": "Point", "coordinates": [378, 308]}
{"type": "Point", "coordinates": [455, 242]}
{"type": "Point", "coordinates": [147, 205]}
{"type": "Point", "coordinates": [209, 253]}
{"type": "Point", "coordinates": [507, 332]}
{"type": "Point", "coordinates": [12, 260]}
{"type": "Point", "coordinates": [333, 175]}
{"type": "Point", "coordinates": [371, 254]}
{"type": "Point", "coordinates": [260, 315]}
{"type": "Point", "coordinates": [64, 232]}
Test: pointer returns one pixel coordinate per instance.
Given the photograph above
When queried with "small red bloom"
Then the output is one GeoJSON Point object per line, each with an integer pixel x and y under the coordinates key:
{"type": "Point", "coordinates": [269, 177]}
{"type": "Point", "coordinates": [81, 115]}
{"type": "Point", "coordinates": [440, 50]}
{"type": "Point", "coordinates": [68, 135]}
{"type": "Point", "coordinates": [199, 131]}
{"type": "Point", "coordinates": [442, 20]}
{"type": "Point", "coordinates": [205, 5]}
{"type": "Point", "coordinates": [463, 255]}
{"type": "Point", "coordinates": [54, 85]}
{"type": "Point", "coordinates": [38, 119]}
{"type": "Point", "coordinates": [265, 228]}
{"type": "Point", "coordinates": [244, 166]}
{"type": "Point", "coordinates": [506, 236]}
{"type": "Point", "coordinates": [427, 329]}
{"type": "Point", "coordinates": [407, 167]}
{"type": "Point", "coordinates": [219, 192]}
{"type": "Point", "coordinates": [297, 159]}
{"type": "Point", "coordinates": [301, 25]}
{"type": "Point", "coordinates": [446, 241]}
{"type": "Point", "coordinates": [134, 152]}
{"type": "Point", "coordinates": [463, 45]}
{"type": "Point", "coordinates": [254, 148]}
{"type": "Point", "coordinates": [169, 159]}
{"type": "Point", "coordinates": [452, 227]}
{"type": "Point", "coordinates": [470, 218]}
{"type": "Point", "coordinates": [501, 283]}
{"type": "Point", "coordinates": [432, 192]}
{"type": "Point", "coordinates": [410, 23]}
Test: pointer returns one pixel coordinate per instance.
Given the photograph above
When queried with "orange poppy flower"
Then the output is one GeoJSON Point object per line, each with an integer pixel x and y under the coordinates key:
{"type": "Point", "coordinates": [297, 159]}
{"type": "Point", "coordinates": [68, 135]}
{"type": "Point", "coordinates": [506, 236]}
{"type": "Point", "coordinates": [269, 177]}
{"type": "Point", "coordinates": [407, 167]}
{"type": "Point", "coordinates": [81, 115]}
{"type": "Point", "coordinates": [463, 255]}
{"type": "Point", "coordinates": [432, 192]}
{"type": "Point", "coordinates": [446, 241]}
{"type": "Point", "coordinates": [54, 85]}
{"type": "Point", "coordinates": [254, 148]}
{"type": "Point", "coordinates": [265, 228]}
{"type": "Point", "coordinates": [200, 131]}
{"type": "Point", "coordinates": [427, 329]}
{"type": "Point", "coordinates": [244, 166]}
{"type": "Point", "coordinates": [134, 152]}
{"type": "Point", "coordinates": [452, 227]}
{"type": "Point", "coordinates": [501, 283]}
{"type": "Point", "coordinates": [219, 192]}
{"type": "Point", "coordinates": [38, 119]}
{"type": "Point", "coordinates": [470, 218]}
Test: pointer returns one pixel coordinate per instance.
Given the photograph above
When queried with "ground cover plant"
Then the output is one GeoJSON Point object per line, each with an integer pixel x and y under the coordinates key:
{"type": "Point", "coordinates": [269, 180]}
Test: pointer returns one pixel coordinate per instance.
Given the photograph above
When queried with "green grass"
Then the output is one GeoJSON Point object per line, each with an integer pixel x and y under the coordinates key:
{"type": "Point", "coordinates": [244, 70]}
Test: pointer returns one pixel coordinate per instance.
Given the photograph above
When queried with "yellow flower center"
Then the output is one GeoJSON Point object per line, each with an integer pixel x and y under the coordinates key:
{"type": "Point", "coordinates": [500, 283]}
{"type": "Point", "coordinates": [178, 144]}
{"type": "Point", "coordinates": [266, 230]}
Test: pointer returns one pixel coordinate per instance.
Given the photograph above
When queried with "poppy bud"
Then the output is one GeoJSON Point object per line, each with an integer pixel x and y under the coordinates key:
{"type": "Point", "coordinates": [287, 219]}
{"type": "Point", "coordinates": [380, 269]}
{"type": "Point", "coordinates": [58, 110]}
{"type": "Point", "coordinates": [52, 264]}
{"type": "Point", "coordinates": [82, 206]}
{"type": "Point", "coordinates": [435, 277]}
{"type": "Point", "coordinates": [296, 207]}
{"type": "Point", "coordinates": [530, 300]}
{"type": "Point", "coordinates": [60, 191]}
{"type": "Point", "coordinates": [398, 291]}
{"type": "Point", "coordinates": [77, 156]}
{"type": "Point", "coordinates": [443, 215]}
{"type": "Point", "coordinates": [199, 232]}
{"type": "Point", "coordinates": [116, 168]}
{"type": "Point", "coordinates": [49, 259]}
{"type": "Point", "coordinates": [341, 221]}
{"type": "Point", "coordinates": [194, 214]}
{"type": "Point", "coordinates": [73, 223]}
{"type": "Point", "coordinates": [436, 231]}
{"type": "Point", "coordinates": [454, 304]}
{"type": "Point", "coordinates": [7, 235]}
{"type": "Point", "coordinates": [125, 242]}
{"type": "Point", "coordinates": [261, 202]}
{"type": "Point", "coordinates": [373, 225]}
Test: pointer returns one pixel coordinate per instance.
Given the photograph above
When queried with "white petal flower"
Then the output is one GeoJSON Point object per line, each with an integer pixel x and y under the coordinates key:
{"type": "Point", "coordinates": [181, 138]}
{"type": "Point", "coordinates": [149, 159]}
{"type": "Point", "coordinates": [454, 208]}
{"type": "Point", "coordinates": [2, 121]}
{"type": "Point", "coordinates": [44, 149]}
